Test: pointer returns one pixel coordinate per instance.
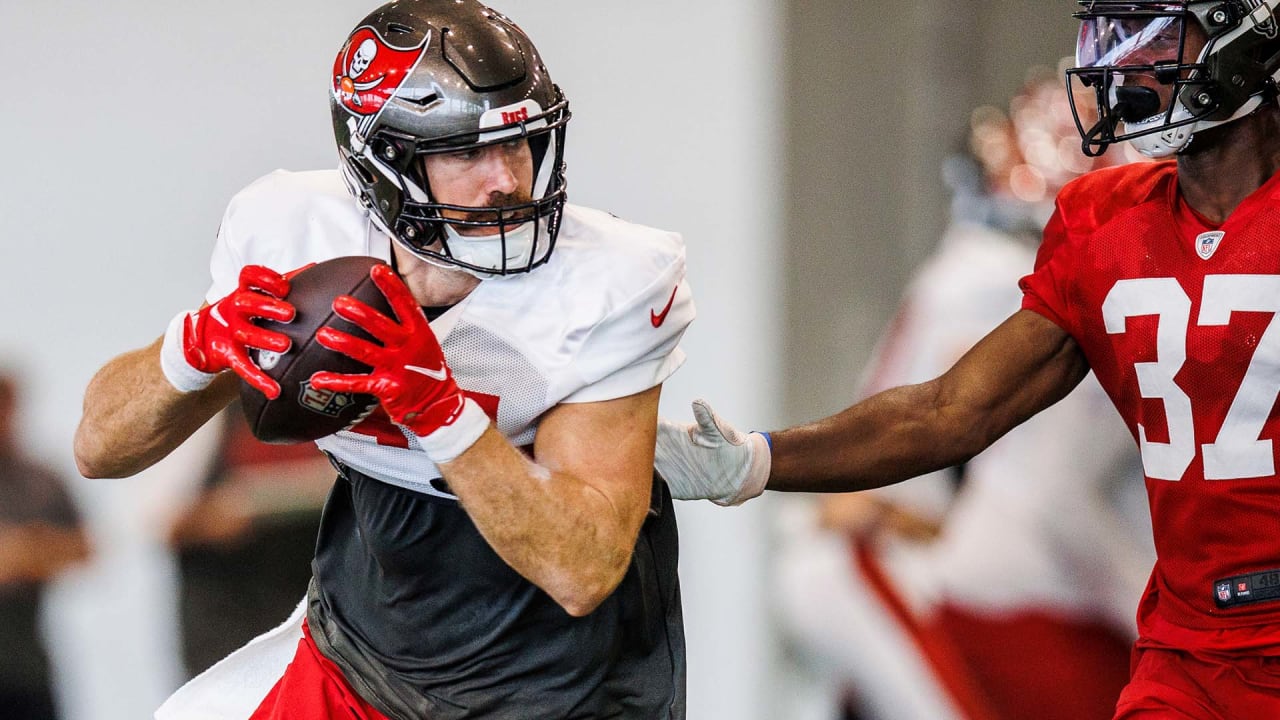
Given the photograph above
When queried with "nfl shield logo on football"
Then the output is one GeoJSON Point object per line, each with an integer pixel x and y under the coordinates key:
{"type": "Point", "coordinates": [1207, 243]}
{"type": "Point", "coordinates": [325, 402]}
{"type": "Point", "coordinates": [1224, 591]}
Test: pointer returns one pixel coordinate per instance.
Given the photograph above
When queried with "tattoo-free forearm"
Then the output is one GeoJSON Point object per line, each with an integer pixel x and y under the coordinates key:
{"type": "Point", "coordinates": [1020, 368]}
{"type": "Point", "coordinates": [133, 417]}
{"type": "Point", "coordinates": [557, 531]}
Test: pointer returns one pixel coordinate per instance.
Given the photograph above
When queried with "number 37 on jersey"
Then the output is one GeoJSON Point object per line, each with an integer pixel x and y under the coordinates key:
{"type": "Point", "coordinates": [1193, 371]}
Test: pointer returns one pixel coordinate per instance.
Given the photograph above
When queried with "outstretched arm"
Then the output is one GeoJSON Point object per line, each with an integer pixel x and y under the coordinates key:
{"type": "Point", "coordinates": [1023, 366]}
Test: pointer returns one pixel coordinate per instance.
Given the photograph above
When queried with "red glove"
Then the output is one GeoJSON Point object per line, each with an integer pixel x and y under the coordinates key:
{"type": "Point", "coordinates": [217, 337]}
{"type": "Point", "coordinates": [409, 374]}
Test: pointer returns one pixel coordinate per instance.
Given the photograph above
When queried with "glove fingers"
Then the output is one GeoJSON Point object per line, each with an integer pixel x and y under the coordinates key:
{"type": "Point", "coordinates": [265, 279]}
{"type": "Point", "coordinates": [709, 422]}
{"type": "Point", "coordinates": [360, 384]}
{"type": "Point", "coordinates": [294, 273]}
{"type": "Point", "coordinates": [351, 346]}
{"type": "Point", "coordinates": [254, 304]}
{"type": "Point", "coordinates": [252, 374]}
{"type": "Point", "coordinates": [712, 431]}
{"type": "Point", "coordinates": [705, 417]}
{"type": "Point", "coordinates": [253, 336]}
{"type": "Point", "coordinates": [406, 307]}
{"type": "Point", "coordinates": [372, 321]}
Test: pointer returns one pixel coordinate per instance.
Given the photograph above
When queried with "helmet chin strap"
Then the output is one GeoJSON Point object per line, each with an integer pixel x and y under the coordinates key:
{"type": "Point", "coordinates": [485, 251]}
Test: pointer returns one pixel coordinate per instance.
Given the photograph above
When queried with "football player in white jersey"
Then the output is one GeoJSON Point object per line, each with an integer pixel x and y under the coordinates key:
{"type": "Point", "coordinates": [495, 544]}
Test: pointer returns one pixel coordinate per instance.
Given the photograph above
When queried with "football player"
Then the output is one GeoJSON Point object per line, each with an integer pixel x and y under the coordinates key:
{"type": "Point", "coordinates": [495, 544]}
{"type": "Point", "coordinates": [1161, 278]}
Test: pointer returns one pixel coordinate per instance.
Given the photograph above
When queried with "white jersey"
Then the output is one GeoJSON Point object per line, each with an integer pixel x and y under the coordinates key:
{"type": "Point", "coordinates": [602, 319]}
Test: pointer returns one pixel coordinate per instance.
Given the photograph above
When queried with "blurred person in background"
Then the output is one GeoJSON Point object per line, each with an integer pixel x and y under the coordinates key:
{"type": "Point", "coordinates": [245, 540]}
{"type": "Point", "coordinates": [1163, 279]}
{"type": "Point", "coordinates": [40, 536]}
{"type": "Point", "coordinates": [922, 599]}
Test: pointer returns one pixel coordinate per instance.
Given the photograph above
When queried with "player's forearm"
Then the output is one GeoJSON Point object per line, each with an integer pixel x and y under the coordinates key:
{"type": "Point", "coordinates": [558, 532]}
{"type": "Point", "coordinates": [133, 417]}
{"type": "Point", "coordinates": [887, 438]}
{"type": "Point", "coordinates": [1023, 366]}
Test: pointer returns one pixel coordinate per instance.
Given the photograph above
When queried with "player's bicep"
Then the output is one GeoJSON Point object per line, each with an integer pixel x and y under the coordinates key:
{"type": "Point", "coordinates": [1022, 367]}
{"type": "Point", "coordinates": [607, 445]}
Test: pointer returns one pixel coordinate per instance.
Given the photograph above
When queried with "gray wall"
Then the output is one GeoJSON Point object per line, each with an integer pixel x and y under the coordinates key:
{"type": "Point", "coordinates": [879, 93]}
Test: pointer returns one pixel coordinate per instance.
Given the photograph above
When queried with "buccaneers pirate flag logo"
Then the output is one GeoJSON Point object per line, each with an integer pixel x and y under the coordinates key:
{"type": "Point", "coordinates": [368, 71]}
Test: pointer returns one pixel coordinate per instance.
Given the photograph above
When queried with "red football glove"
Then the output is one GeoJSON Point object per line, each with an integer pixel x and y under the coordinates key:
{"type": "Point", "coordinates": [217, 337]}
{"type": "Point", "coordinates": [409, 374]}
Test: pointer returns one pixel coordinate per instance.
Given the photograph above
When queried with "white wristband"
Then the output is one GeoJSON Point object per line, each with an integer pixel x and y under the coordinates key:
{"type": "Point", "coordinates": [450, 441]}
{"type": "Point", "coordinates": [173, 361]}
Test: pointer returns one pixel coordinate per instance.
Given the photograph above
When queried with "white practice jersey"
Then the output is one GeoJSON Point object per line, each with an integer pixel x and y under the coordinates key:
{"type": "Point", "coordinates": [602, 319]}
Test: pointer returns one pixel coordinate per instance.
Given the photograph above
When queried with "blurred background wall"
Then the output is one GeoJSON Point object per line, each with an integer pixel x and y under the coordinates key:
{"type": "Point", "coordinates": [796, 145]}
{"type": "Point", "coordinates": [877, 95]}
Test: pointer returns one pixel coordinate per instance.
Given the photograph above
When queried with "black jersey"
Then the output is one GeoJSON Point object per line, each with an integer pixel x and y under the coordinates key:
{"type": "Point", "coordinates": [427, 621]}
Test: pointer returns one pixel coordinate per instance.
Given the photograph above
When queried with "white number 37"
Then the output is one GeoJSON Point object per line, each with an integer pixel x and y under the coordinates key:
{"type": "Point", "coordinates": [1238, 451]}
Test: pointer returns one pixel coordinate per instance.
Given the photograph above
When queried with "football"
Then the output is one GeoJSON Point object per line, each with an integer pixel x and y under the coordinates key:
{"type": "Point", "coordinates": [301, 412]}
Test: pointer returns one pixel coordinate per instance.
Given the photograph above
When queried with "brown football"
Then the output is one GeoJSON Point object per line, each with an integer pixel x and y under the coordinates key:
{"type": "Point", "coordinates": [302, 412]}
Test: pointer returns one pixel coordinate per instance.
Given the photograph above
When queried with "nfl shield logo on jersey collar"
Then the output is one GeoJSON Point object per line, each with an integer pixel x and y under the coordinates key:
{"type": "Point", "coordinates": [1207, 243]}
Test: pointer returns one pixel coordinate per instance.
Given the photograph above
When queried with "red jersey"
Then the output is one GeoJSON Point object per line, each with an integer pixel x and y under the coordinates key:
{"type": "Point", "coordinates": [1178, 319]}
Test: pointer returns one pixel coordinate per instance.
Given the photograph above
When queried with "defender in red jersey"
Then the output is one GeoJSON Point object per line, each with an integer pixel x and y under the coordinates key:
{"type": "Point", "coordinates": [1164, 279]}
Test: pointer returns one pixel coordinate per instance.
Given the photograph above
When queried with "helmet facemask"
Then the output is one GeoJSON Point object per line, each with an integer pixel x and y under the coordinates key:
{"type": "Point", "coordinates": [521, 230]}
{"type": "Point", "coordinates": [419, 78]}
{"type": "Point", "coordinates": [1162, 71]}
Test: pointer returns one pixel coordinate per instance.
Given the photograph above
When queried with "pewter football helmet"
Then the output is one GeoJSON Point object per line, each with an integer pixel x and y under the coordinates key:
{"type": "Point", "coordinates": [418, 77]}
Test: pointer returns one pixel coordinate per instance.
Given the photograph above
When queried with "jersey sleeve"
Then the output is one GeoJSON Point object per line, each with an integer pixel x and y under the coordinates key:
{"type": "Point", "coordinates": [1043, 290]}
{"type": "Point", "coordinates": [637, 345]}
{"type": "Point", "coordinates": [285, 220]}
{"type": "Point", "coordinates": [234, 246]}
{"type": "Point", "coordinates": [224, 264]}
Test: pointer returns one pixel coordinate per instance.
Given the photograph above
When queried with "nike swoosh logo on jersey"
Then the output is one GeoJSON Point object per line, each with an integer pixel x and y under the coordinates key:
{"type": "Point", "coordinates": [657, 318]}
{"type": "Point", "coordinates": [439, 375]}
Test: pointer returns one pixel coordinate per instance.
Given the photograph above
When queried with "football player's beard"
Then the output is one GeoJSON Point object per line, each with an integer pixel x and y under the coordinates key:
{"type": "Point", "coordinates": [500, 202]}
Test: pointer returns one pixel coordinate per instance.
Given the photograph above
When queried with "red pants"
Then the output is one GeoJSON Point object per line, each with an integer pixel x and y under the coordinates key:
{"type": "Point", "coordinates": [313, 688]}
{"type": "Point", "coordinates": [1170, 684]}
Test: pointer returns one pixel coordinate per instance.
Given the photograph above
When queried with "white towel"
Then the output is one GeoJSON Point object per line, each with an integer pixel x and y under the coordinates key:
{"type": "Point", "coordinates": [235, 686]}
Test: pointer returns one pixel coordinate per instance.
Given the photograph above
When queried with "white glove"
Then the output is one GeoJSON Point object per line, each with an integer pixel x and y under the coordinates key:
{"type": "Point", "coordinates": [711, 459]}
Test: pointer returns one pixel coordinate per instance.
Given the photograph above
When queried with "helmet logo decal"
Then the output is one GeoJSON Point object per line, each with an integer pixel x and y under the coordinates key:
{"type": "Point", "coordinates": [368, 70]}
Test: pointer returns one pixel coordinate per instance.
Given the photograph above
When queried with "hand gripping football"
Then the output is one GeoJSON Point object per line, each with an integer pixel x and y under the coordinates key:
{"type": "Point", "coordinates": [302, 412]}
